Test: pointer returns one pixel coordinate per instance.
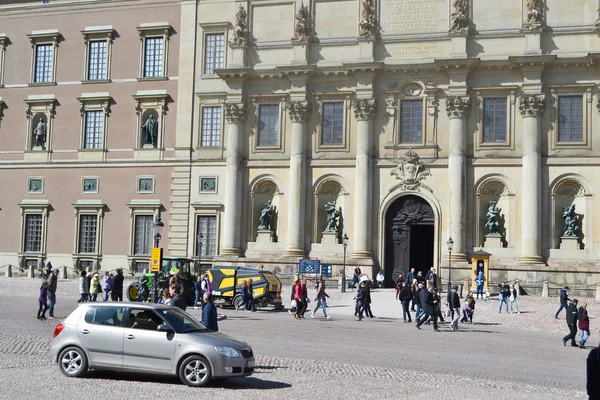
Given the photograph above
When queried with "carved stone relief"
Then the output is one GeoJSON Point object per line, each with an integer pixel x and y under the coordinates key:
{"type": "Point", "coordinates": [531, 104]}
{"type": "Point", "coordinates": [412, 212]}
{"type": "Point", "coordinates": [458, 107]}
{"type": "Point", "coordinates": [235, 113]}
{"type": "Point", "coordinates": [569, 187]}
{"type": "Point", "coordinates": [303, 29]}
{"type": "Point", "coordinates": [460, 17]}
{"type": "Point", "coordinates": [411, 172]}
{"type": "Point", "coordinates": [299, 111]}
{"type": "Point", "coordinates": [240, 30]}
{"type": "Point", "coordinates": [365, 109]}
{"type": "Point", "coordinates": [534, 15]}
{"type": "Point", "coordinates": [494, 187]}
{"type": "Point", "coordinates": [368, 24]}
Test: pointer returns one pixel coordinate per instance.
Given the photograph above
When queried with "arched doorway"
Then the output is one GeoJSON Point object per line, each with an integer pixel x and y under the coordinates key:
{"type": "Point", "coordinates": [409, 236]}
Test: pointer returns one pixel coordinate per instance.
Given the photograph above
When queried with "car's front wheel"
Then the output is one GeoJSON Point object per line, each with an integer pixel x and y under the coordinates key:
{"type": "Point", "coordinates": [72, 362]}
{"type": "Point", "coordinates": [195, 371]}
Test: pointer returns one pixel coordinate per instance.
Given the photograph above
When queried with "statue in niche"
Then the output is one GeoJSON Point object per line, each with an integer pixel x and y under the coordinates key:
{"type": "Point", "coordinates": [368, 23]}
{"type": "Point", "coordinates": [534, 14]}
{"type": "Point", "coordinates": [39, 134]}
{"type": "Point", "coordinates": [264, 221]}
{"type": "Point", "coordinates": [460, 16]}
{"type": "Point", "coordinates": [570, 221]}
{"type": "Point", "coordinates": [150, 130]}
{"type": "Point", "coordinates": [302, 30]}
{"type": "Point", "coordinates": [332, 216]}
{"type": "Point", "coordinates": [240, 30]}
{"type": "Point", "coordinates": [493, 219]}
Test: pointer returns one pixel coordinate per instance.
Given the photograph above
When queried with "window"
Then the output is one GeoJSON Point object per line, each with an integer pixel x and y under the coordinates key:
{"type": "Point", "coordinates": [494, 120]}
{"type": "Point", "coordinates": [104, 315]}
{"type": "Point", "coordinates": [153, 57]}
{"type": "Point", "coordinates": [211, 127]}
{"type": "Point", "coordinates": [94, 127]}
{"type": "Point", "coordinates": [268, 125]}
{"type": "Point", "coordinates": [97, 60]}
{"type": "Point", "coordinates": [3, 42]}
{"type": "Point", "coordinates": [88, 230]}
{"type": "Point", "coordinates": [139, 267]}
{"type": "Point", "coordinates": [411, 125]}
{"type": "Point", "coordinates": [35, 185]}
{"type": "Point", "coordinates": [145, 185]}
{"type": "Point", "coordinates": [570, 118]}
{"type": "Point", "coordinates": [208, 185]}
{"type": "Point", "coordinates": [143, 234]}
{"type": "Point", "coordinates": [89, 185]}
{"type": "Point", "coordinates": [43, 63]}
{"type": "Point", "coordinates": [86, 265]}
{"type": "Point", "coordinates": [214, 45]}
{"type": "Point", "coordinates": [333, 123]}
{"type": "Point", "coordinates": [33, 233]}
{"type": "Point", "coordinates": [207, 225]}
{"type": "Point", "coordinates": [144, 319]}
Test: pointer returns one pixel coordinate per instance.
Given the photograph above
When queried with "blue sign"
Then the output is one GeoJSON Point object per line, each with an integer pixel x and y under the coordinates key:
{"type": "Point", "coordinates": [326, 270]}
{"type": "Point", "coordinates": [310, 266]}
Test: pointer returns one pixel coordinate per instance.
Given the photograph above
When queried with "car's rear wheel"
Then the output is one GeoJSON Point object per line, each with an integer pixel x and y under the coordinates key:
{"type": "Point", "coordinates": [72, 362]}
{"type": "Point", "coordinates": [195, 371]}
{"type": "Point", "coordinates": [133, 291]}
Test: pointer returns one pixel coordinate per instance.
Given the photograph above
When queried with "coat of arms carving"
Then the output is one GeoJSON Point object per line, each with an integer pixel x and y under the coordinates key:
{"type": "Point", "coordinates": [411, 172]}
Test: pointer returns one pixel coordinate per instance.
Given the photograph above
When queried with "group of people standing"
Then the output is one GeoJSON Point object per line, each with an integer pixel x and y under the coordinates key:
{"type": "Point", "coordinates": [47, 296]}
{"type": "Point", "coordinates": [91, 285]}
{"type": "Point", "coordinates": [300, 300]}
{"type": "Point", "coordinates": [577, 317]}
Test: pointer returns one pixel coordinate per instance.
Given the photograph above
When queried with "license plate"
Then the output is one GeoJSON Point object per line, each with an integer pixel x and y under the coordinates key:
{"type": "Point", "coordinates": [250, 364]}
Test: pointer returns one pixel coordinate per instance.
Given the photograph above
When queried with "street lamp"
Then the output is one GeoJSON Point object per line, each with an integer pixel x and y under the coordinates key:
{"type": "Point", "coordinates": [157, 227]}
{"type": "Point", "coordinates": [345, 244]}
{"type": "Point", "coordinates": [199, 238]}
{"type": "Point", "coordinates": [450, 244]}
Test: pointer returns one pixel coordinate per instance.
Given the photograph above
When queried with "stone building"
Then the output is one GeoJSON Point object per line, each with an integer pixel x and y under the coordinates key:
{"type": "Point", "coordinates": [87, 129]}
{"type": "Point", "coordinates": [416, 117]}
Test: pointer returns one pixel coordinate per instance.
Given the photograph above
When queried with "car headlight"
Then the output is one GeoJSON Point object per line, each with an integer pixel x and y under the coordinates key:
{"type": "Point", "coordinates": [227, 351]}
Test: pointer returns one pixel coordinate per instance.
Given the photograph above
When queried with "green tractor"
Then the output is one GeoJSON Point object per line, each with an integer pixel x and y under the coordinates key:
{"type": "Point", "coordinates": [169, 265]}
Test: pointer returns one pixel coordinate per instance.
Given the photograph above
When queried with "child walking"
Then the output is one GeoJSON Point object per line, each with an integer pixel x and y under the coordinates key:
{"type": "Point", "coordinates": [43, 301]}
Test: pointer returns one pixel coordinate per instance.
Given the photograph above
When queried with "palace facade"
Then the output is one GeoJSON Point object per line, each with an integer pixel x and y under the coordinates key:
{"type": "Point", "coordinates": [420, 119]}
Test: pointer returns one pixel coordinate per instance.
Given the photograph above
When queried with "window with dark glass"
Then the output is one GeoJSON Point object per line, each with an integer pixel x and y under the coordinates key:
{"type": "Point", "coordinates": [88, 225]}
{"type": "Point", "coordinates": [570, 118]}
{"type": "Point", "coordinates": [494, 120]}
{"type": "Point", "coordinates": [207, 226]}
{"type": "Point", "coordinates": [411, 117]}
{"type": "Point", "coordinates": [143, 234]}
{"type": "Point", "coordinates": [268, 125]}
{"type": "Point", "coordinates": [333, 123]}
{"type": "Point", "coordinates": [33, 233]}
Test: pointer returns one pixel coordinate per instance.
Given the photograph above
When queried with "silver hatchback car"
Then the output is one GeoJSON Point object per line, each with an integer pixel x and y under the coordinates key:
{"type": "Point", "coordinates": [144, 337]}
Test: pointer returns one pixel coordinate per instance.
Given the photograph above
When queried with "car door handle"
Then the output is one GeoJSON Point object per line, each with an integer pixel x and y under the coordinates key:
{"type": "Point", "coordinates": [85, 331]}
{"type": "Point", "coordinates": [130, 337]}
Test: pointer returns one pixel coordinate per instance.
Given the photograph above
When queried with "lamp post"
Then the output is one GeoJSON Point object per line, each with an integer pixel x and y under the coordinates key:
{"type": "Point", "coordinates": [450, 244]}
{"type": "Point", "coordinates": [345, 244]}
{"type": "Point", "coordinates": [157, 227]}
{"type": "Point", "coordinates": [199, 238]}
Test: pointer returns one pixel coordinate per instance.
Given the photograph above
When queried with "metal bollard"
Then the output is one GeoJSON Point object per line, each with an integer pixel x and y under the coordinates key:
{"type": "Point", "coordinates": [545, 289]}
{"type": "Point", "coordinates": [64, 274]}
{"type": "Point", "coordinates": [518, 286]}
{"type": "Point", "coordinates": [8, 272]}
{"type": "Point", "coordinates": [31, 272]}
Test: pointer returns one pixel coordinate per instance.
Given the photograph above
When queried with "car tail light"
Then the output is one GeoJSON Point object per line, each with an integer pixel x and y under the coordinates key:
{"type": "Point", "coordinates": [59, 328]}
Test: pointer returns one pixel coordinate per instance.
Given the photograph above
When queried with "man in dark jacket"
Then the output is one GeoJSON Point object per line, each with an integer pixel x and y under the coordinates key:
{"type": "Point", "coordinates": [564, 299]}
{"type": "Point", "coordinates": [431, 277]}
{"type": "Point", "coordinates": [455, 307]}
{"type": "Point", "coordinates": [209, 313]}
{"type": "Point", "coordinates": [367, 300]}
{"type": "Point", "coordinates": [420, 297]}
{"type": "Point", "coordinates": [405, 296]}
{"type": "Point", "coordinates": [430, 308]}
{"type": "Point", "coordinates": [177, 299]}
{"type": "Point", "coordinates": [410, 277]}
{"type": "Point", "coordinates": [52, 282]}
{"type": "Point", "coordinates": [572, 323]}
{"type": "Point", "coordinates": [503, 296]}
{"type": "Point", "coordinates": [117, 290]}
{"type": "Point", "coordinates": [593, 374]}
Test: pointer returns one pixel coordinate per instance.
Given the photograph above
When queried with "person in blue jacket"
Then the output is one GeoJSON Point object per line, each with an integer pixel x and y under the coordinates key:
{"type": "Point", "coordinates": [564, 300]}
{"type": "Point", "coordinates": [209, 313]}
{"type": "Point", "coordinates": [479, 279]}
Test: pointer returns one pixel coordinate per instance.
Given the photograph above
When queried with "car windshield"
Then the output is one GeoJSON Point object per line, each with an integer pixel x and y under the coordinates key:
{"type": "Point", "coordinates": [180, 321]}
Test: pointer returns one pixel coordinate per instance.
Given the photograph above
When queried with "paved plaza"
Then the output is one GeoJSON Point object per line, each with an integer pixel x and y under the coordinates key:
{"type": "Point", "coordinates": [500, 356]}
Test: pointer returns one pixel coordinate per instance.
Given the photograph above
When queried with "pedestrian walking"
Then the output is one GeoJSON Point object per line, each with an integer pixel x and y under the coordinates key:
{"type": "Point", "coordinates": [438, 294]}
{"type": "Point", "coordinates": [405, 296]}
{"type": "Point", "coordinates": [95, 287]}
{"type": "Point", "coordinates": [479, 280]}
{"type": "Point", "coordinates": [593, 374]}
{"type": "Point", "coordinates": [513, 299]}
{"type": "Point", "coordinates": [503, 296]}
{"type": "Point", "coordinates": [420, 302]}
{"type": "Point", "coordinates": [564, 299]}
{"type": "Point", "coordinates": [43, 301]}
{"type": "Point", "coordinates": [455, 307]}
{"type": "Point", "coordinates": [321, 300]}
{"type": "Point", "coordinates": [584, 325]}
{"type": "Point", "coordinates": [250, 304]}
{"type": "Point", "coordinates": [197, 292]}
{"type": "Point", "coordinates": [430, 308]}
{"type": "Point", "coordinates": [366, 297]}
{"type": "Point", "coordinates": [52, 283]}
{"type": "Point", "coordinates": [117, 290]}
{"type": "Point", "coordinates": [359, 299]}
{"type": "Point", "coordinates": [355, 276]}
{"type": "Point", "coordinates": [571, 323]}
{"type": "Point", "coordinates": [431, 277]}
{"type": "Point", "coordinates": [209, 312]}
{"type": "Point", "coordinates": [244, 294]}
{"type": "Point", "coordinates": [107, 283]}
{"type": "Point", "coordinates": [84, 288]}
{"type": "Point", "coordinates": [298, 299]}
{"type": "Point", "coordinates": [304, 298]}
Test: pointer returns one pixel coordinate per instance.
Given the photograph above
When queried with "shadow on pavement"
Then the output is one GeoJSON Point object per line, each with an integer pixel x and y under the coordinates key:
{"type": "Point", "coordinates": [250, 383]}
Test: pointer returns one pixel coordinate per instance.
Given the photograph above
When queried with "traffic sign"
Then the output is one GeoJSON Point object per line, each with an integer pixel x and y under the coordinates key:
{"type": "Point", "coordinates": [310, 266]}
{"type": "Point", "coordinates": [156, 259]}
{"type": "Point", "coordinates": [326, 270]}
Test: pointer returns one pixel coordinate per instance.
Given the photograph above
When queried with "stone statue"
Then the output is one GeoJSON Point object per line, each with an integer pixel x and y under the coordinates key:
{"type": "Point", "coordinates": [39, 133]}
{"type": "Point", "coordinates": [240, 31]}
{"type": "Point", "coordinates": [332, 216]}
{"type": "Point", "coordinates": [493, 219]}
{"type": "Point", "coordinates": [570, 224]}
{"type": "Point", "coordinates": [534, 14]}
{"type": "Point", "coordinates": [302, 31]}
{"type": "Point", "coordinates": [460, 16]}
{"type": "Point", "coordinates": [368, 23]}
{"type": "Point", "coordinates": [150, 128]}
{"type": "Point", "coordinates": [264, 222]}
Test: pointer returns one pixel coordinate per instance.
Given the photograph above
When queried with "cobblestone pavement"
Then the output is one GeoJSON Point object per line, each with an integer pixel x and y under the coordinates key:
{"type": "Point", "coordinates": [323, 359]}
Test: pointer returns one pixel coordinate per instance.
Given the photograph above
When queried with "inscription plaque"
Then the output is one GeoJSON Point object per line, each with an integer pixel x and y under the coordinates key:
{"type": "Point", "coordinates": [416, 50]}
{"type": "Point", "coordinates": [413, 16]}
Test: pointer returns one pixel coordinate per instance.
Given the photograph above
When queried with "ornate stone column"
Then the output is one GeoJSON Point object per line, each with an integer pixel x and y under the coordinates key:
{"type": "Point", "coordinates": [235, 115]}
{"type": "Point", "coordinates": [531, 107]}
{"type": "Point", "coordinates": [457, 109]}
{"type": "Point", "coordinates": [364, 110]}
{"type": "Point", "coordinates": [299, 113]}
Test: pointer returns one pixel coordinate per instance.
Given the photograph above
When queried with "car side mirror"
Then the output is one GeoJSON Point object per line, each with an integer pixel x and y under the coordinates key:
{"type": "Point", "coordinates": [164, 328]}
